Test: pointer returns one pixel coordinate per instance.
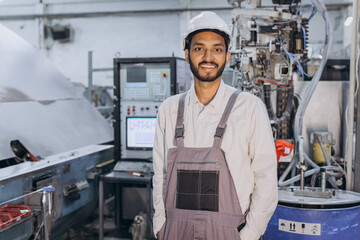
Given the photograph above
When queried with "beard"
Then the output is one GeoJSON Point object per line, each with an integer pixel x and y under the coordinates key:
{"type": "Point", "coordinates": [207, 77]}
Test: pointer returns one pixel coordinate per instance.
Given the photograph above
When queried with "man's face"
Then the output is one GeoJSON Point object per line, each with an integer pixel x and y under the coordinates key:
{"type": "Point", "coordinates": [207, 56]}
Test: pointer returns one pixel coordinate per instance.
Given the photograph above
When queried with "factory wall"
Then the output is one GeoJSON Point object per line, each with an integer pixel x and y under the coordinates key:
{"type": "Point", "coordinates": [125, 36]}
{"type": "Point", "coordinates": [138, 28]}
{"type": "Point", "coordinates": [341, 33]}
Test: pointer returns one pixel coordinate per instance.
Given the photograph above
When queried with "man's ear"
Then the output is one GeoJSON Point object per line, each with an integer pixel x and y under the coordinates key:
{"type": "Point", "coordinates": [228, 55]}
{"type": "Point", "coordinates": [187, 55]}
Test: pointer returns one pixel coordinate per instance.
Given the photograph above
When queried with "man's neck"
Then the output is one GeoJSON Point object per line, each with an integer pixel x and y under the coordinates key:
{"type": "Point", "coordinates": [205, 91]}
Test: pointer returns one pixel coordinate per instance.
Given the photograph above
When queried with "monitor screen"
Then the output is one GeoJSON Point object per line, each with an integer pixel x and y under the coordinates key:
{"type": "Point", "coordinates": [140, 132]}
{"type": "Point", "coordinates": [136, 74]}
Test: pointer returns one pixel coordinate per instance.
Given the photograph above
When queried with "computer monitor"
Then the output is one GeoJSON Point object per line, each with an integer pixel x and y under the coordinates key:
{"type": "Point", "coordinates": [140, 133]}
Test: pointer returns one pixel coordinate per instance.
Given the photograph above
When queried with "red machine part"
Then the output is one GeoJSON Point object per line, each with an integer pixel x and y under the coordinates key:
{"type": "Point", "coordinates": [11, 213]}
{"type": "Point", "coordinates": [6, 219]}
{"type": "Point", "coordinates": [283, 148]}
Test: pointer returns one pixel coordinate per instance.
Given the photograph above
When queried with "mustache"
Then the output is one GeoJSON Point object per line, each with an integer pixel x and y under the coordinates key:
{"type": "Point", "coordinates": [213, 63]}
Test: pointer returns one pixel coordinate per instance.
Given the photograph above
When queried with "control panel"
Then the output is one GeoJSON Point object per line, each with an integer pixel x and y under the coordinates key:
{"type": "Point", "coordinates": [141, 85]}
{"type": "Point", "coordinates": [142, 81]}
{"type": "Point", "coordinates": [144, 114]}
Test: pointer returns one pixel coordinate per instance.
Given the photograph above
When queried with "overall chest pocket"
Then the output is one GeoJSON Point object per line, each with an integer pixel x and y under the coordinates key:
{"type": "Point", "coordinates": [197, 190]}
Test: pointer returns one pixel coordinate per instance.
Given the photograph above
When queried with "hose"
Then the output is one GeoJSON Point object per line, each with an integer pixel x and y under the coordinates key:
{"type": "Point", "coordinates": [320, 6]}
{"type": "Point", "coordinates": [329, 170]}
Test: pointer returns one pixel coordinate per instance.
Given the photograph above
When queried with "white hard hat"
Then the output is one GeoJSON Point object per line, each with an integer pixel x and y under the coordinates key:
{"type": "Point", "coordinates": [207, 21]}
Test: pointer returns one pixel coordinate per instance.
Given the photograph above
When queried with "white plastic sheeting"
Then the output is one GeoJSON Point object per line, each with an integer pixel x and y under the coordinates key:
{"type": "Point", "coordinates": [39, 106]}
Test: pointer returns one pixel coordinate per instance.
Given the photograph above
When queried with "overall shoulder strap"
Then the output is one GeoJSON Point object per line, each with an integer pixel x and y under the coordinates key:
{"type": "Point", "coordinates": [179, 129]}
{"type": "Point", "coordinates": [220, 130]}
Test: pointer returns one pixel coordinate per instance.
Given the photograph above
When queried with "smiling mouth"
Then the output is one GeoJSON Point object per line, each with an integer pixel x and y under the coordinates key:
{"type": "Point", "coordinates": [207, 66]}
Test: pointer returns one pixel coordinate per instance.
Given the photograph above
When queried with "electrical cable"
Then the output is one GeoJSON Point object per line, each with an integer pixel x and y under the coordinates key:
{"type": "Point", "coordinates": [292, 2]}
{"type": "Point", "coordinates": [295, 60]}
{"type": "Point", "coordinates": [313, 13]}
{"type": "Point", "coordinates": [312, 67]}
{"type": "Point", "coordinates": [311, 88]}
{"type": "Point", "coordinates": [272, 82]}
{"type": "Point", "coordinates": [304, 6]}
{"type": "Point", "coordinates": [304, 34]}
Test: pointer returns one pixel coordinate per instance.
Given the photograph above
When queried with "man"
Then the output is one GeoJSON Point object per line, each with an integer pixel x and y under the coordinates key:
{"type": "Point", "coordinates": [214, 156]}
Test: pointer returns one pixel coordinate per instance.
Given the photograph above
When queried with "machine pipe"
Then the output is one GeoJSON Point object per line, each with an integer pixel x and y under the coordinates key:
{"type": "Point", "coordinates": [328, 163]}
{"type": "Point", "coordinates": [310, 90]}
{"type": "Point", "coordinates": [323, 179]}
{"type": "Point", "coordinates": [312, 172]}
{"type": "Point", "coordinates": [106, 13]}
{"type": "Point", "coordinates": [350, 118]}
{"type": "Point", "coordinates": [302, 162]}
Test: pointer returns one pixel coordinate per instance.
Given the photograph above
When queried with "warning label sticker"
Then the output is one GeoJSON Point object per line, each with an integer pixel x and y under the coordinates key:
{"type": "Point", "coordinates": [300, 227]}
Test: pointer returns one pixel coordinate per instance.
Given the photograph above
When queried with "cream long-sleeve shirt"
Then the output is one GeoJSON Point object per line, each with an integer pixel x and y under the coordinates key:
{"type": "Point", "coordinates": [248, 145]}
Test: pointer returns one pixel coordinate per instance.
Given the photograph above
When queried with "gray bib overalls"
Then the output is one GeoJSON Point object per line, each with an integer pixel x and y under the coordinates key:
{"type": "Point", "coordinates": [200, 197]}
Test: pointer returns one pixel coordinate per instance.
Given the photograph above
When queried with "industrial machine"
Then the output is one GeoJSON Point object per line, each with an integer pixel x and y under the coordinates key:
{"type": "Point", "coordinates": [51, 143]}
{"type": "Point", "coordinates": [141, 85]}
{"type": "Point", "coordinates": [270, 60]}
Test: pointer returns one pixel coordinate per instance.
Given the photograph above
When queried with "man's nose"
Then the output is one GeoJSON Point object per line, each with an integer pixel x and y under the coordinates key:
{"type": "Point", "coordinates": [208, 55]}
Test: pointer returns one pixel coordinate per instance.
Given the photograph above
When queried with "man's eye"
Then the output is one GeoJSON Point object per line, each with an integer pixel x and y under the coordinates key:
{"type": "Point", "coordinates": [217, 50]}
{"type": "Point", "coordinates": [198, 49]}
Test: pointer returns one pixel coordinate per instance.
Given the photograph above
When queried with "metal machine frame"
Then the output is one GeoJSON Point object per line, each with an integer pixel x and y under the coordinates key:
{"type": "Point", "coordinates": [357, 149]}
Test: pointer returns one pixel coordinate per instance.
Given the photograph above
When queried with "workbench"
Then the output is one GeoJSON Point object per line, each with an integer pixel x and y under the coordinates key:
{"type": "Point", "coordinates": [125, 178]}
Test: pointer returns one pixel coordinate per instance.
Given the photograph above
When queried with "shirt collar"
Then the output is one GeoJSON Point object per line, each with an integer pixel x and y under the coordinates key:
{"type": "Point", "coordinates": [192, 96]}
{"type": "Point", "coordinates": [216, 102]}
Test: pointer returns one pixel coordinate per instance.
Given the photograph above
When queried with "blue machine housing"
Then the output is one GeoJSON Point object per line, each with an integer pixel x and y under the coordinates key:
{"type": "Point", "coordinates": [18, 183]}
{"type": "Point", "coordinates": [337, 223]}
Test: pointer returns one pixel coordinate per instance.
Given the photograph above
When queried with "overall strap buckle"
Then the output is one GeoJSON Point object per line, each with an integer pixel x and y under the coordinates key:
{"type": "Point", "coordinates": [219, 132]}
{"type": "Point", "coordinates": [179, 132]}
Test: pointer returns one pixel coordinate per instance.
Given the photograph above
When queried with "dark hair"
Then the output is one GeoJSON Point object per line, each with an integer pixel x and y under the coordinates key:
{"type": "Point", "coordinates": [221, 33]}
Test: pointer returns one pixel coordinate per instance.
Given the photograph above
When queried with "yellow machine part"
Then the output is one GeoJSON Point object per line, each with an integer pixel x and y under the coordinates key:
{"type": "Point", "coordinates": [318, 154]}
